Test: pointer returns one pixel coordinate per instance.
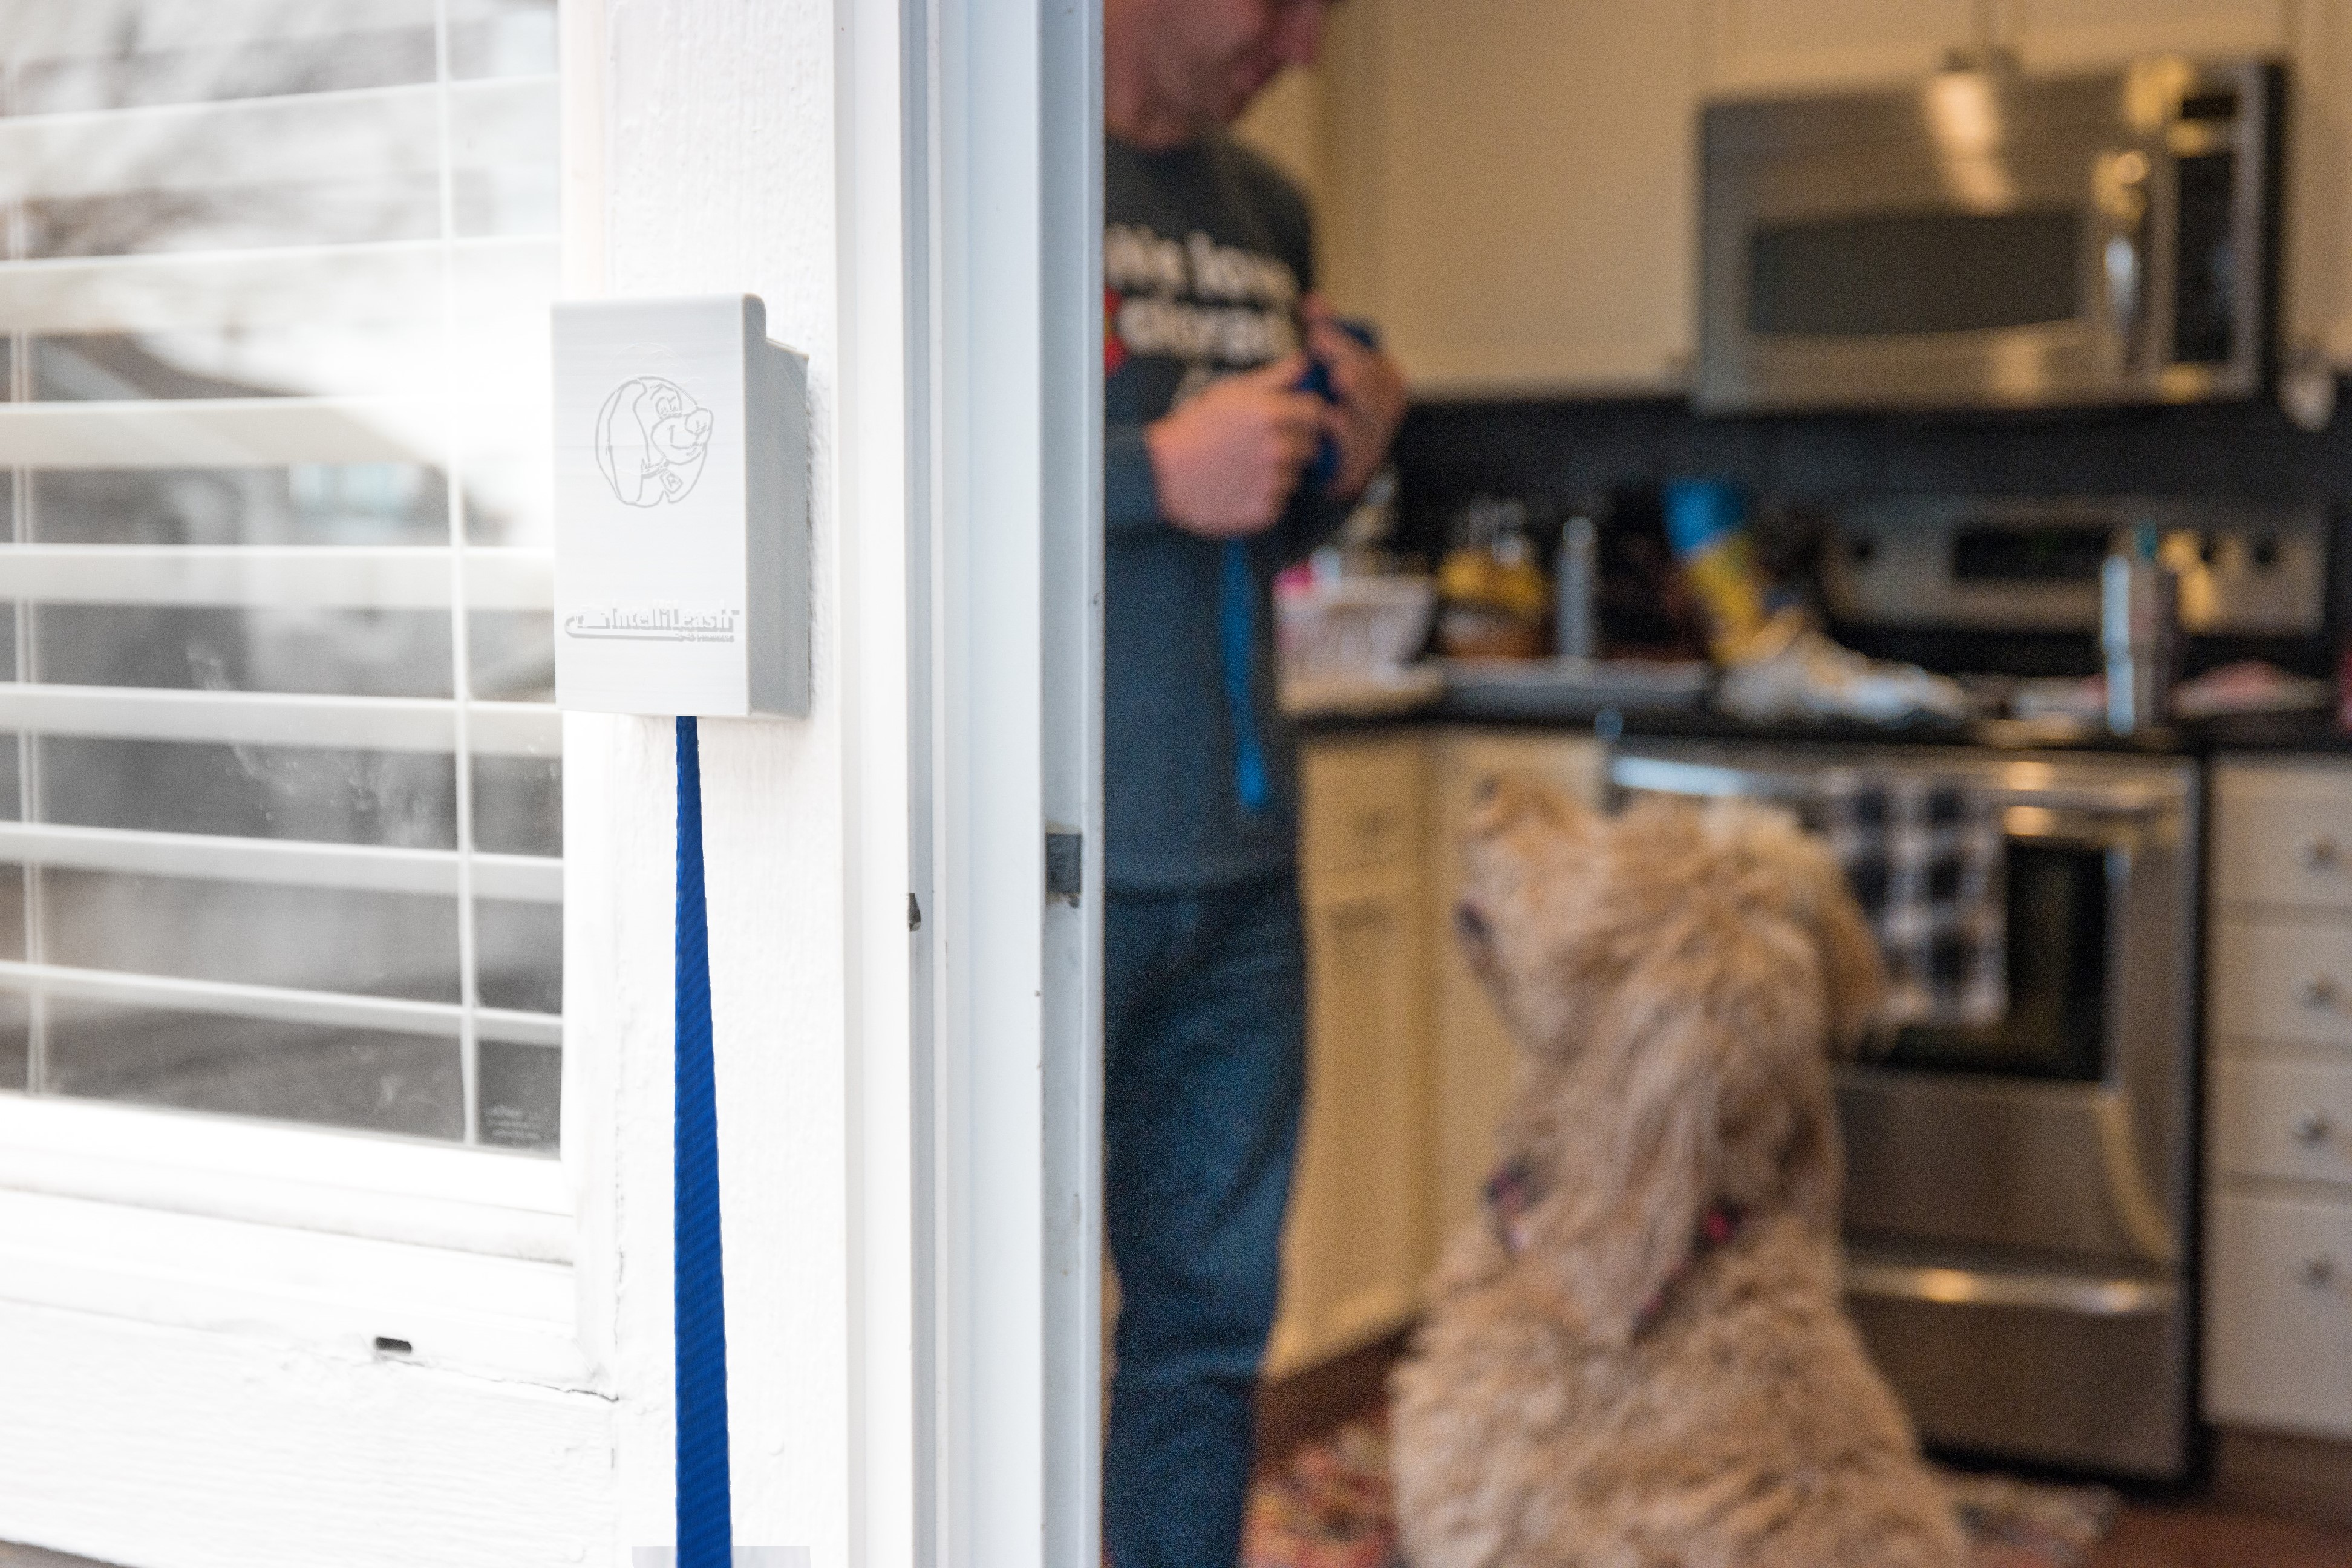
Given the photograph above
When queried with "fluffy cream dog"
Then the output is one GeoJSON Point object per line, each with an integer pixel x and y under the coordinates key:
{"type": "Point", "coordinates": [1638, 1359]}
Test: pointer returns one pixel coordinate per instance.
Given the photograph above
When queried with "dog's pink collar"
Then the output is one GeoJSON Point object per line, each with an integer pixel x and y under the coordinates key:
{"type": "Point", "coordinates": [1512, 1196]}
{"type": "Point", "coordinates": [1718, 1228]}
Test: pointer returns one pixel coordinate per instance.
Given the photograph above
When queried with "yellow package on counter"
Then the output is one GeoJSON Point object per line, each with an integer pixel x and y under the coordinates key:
{"type": "Point", "coordinates": [1707, 523]}
{"type": "Point", "coordinates": [1493, 600]}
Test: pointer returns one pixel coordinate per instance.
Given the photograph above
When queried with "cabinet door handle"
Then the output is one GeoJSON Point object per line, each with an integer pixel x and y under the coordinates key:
{"type": "Point", "coordinates": [2312, 1128]}
{"type": "Point", "coordinates": [2319, 992]}
{"type": "Point", "coordinates": [2317, 1272]}
{"type": "Point", "coordinates": [2320, 853]}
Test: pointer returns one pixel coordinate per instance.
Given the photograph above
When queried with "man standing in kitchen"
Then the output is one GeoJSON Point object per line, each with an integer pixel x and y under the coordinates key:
{"type": "Point", "coordinates": [1226, 460]}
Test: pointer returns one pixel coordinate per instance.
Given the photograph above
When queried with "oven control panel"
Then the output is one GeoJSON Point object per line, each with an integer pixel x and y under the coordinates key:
{"type": "Point", "coordinates": [2033, 566]}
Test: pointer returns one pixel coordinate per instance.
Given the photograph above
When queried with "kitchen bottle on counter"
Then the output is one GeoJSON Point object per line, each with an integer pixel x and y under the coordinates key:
{"type": "Point", "coordinates": [1576, 580]}
{"type": "Point", "coordinates": [2140, 610]}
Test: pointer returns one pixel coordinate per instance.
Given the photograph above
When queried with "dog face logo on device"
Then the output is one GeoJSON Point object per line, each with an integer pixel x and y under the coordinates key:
{"type": "Point", "coordinates": [651, 440]}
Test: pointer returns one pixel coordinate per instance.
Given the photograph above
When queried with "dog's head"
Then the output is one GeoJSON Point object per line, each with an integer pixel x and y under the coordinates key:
{"type": "Point", "coordinates": [1689, 970]}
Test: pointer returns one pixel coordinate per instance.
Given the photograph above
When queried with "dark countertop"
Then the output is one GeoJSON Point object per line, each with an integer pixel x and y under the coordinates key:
{"type": "Point", "coordinates": [2267, 732]}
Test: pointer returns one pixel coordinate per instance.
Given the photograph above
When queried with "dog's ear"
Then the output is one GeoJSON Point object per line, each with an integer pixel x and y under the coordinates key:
{"type": "Point", "coordinates": [1631, 1193]}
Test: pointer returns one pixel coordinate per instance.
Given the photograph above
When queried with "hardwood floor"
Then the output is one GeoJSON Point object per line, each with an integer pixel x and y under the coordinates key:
{"type": "Point", "coordinates": [2178, 1536]}
{"type": "Point", "coordinates": [34, 1557]}
{"type": "Point", "coordinates": [2202, 1536]}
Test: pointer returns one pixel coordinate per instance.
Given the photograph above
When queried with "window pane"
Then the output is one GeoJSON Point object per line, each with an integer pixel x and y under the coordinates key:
{"type": "Point", "coordinates": [72, 58]}
{"type": "Point", "coordinates": [520, 955]}
{"type": "Point", "coordinates": [15, 1057]}
{"type": "Point", "coordinates": [520, 1087]}
{"type": "Point", "coordinates": [309, 504]}
{"type": "Point", "coordinates": [403, 799]}
{"type": "Point", "coordinates": [502, 38]}
{"type": "Point", "coordinates": [360, 942]}
{"type": "Point", "coordinates": [274, 290]}
{"type": "Point", "coordinates": [517, 805]}
{"type": "Point", "coordinates": [512, 655]}
{"type": "Point", "coordinates": [12, 913]}
{"type": "Point", "coordinates": [360, 653]}
{"type": "Point", "coordinates": [255, 1067]}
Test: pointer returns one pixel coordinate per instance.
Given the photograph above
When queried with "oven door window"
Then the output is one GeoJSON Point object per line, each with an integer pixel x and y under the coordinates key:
{"type": "Point", "coordinates": [1883, 275]}
{"type": "Point", "coordinates": [2056, 1026]}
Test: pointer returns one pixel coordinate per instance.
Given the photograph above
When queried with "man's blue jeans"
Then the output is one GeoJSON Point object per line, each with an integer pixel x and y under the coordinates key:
{"type": "Point", "coordinates": [1205, 1067]}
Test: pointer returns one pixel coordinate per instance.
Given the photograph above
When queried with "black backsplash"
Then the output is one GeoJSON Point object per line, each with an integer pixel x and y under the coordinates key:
{"type": "Point", "coordinates": [1560, 454]}
{"type": "Point", "coordinates": [1565, 451]}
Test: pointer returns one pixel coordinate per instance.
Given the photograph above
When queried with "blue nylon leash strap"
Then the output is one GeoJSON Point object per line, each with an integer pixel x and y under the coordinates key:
{"type": "Point", "coordinates": [1238, 603]}
{"type": "Point", "coordinates": [706, 1528]}
{"type": "Point", "coordinates": [1237, 643]}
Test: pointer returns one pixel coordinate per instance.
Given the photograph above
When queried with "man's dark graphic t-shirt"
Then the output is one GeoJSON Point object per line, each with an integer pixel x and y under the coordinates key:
{"type": "Point", "coordinates": [1206, 253]}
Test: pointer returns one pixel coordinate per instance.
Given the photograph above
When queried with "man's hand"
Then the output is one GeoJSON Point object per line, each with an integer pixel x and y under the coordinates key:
{"type": "Point", "coordinates": [1371, 391]}
{"type": "Point", "coordinates": [1227, 463]}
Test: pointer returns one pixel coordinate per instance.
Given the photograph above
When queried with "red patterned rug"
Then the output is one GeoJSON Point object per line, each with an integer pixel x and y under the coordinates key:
{"type": "Point", "coordinates": [1329, 1508]}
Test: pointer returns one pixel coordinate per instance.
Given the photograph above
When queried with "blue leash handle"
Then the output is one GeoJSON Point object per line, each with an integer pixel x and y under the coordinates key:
{"type": "Point", "coordinates": [706, 1526]}
{"type": "Point", "coordinates": [1317, 380]}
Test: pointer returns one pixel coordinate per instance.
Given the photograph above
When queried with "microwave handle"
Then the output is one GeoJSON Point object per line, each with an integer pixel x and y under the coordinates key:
{"type": "Point", "coordinates": [2125, 204]}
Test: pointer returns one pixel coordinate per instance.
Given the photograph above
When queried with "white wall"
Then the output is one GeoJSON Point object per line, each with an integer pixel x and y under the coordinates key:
{"type": "Point", "coordinates": [719, 176]}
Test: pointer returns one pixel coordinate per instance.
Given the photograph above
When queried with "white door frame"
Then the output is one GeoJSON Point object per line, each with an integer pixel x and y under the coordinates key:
{"type": "Point", "coordinates": [1011, 132]}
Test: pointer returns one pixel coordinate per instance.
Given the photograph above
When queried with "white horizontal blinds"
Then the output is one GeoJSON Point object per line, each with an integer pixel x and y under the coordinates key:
{"type": "Point", "coordinates": [279, 767]}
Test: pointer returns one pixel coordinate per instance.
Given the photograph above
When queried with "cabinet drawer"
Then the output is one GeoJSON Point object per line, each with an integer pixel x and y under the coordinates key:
{"type": "Point", "coordinates": [2278, 1341]}
{"type": "Point", "coordinates": [1362, 806]}
{"type": "Point", "coordinates": [2279, 980]}
{"type": "Point", "coordinates": [2283, 835]}
{"type": "Point", "coordinates": [2271, 1119]}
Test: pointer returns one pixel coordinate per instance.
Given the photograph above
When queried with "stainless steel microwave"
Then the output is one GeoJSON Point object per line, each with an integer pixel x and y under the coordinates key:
{"type": "Point", "coordinates": [1991, 241]}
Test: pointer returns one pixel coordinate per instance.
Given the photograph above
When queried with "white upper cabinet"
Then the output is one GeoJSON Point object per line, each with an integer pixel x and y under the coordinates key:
{"type": "Point", "coordinates": [1510, 189]}
{"type": "Point", "coordinates": [2318, 274]}
{"type": "Point", "coordinates": [2059, 35]}
{"type": "Point", "coordinates": [1772, 46]}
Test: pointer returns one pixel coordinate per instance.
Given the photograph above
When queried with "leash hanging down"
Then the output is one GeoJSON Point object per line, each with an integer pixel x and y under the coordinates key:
{"type": "Point", "coordinates": [704, 1514]}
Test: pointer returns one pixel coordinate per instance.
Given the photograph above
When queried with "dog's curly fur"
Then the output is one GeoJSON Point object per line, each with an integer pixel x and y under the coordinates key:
{"type": "Point", "coordinates": [1604, 1393]}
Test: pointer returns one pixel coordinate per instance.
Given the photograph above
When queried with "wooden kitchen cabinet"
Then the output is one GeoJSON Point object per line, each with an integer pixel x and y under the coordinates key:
{"type": "Point", "coordinates": [2318, 274]}
{"type": "Point", "coordinates": [1509, 191]}
{"type": "Point", "coordinates": [2066, 35]}
{"type": "Point", "coordinates": [2278, 1244]}
{"type": "Point", "coordinates": [1408, 1067]}
{"type": "Point", "coordinates": [1774, 46]}
{"type": "Point", "coordinates": [1357, 1244]}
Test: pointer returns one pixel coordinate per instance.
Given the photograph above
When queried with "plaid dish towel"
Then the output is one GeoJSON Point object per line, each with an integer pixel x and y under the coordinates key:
{"type": "Point", "coordinates": [1927, 865]}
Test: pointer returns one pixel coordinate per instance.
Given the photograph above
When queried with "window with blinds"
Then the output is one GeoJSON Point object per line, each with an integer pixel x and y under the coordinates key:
{"type": "Point", "coordinates": [278, 760]}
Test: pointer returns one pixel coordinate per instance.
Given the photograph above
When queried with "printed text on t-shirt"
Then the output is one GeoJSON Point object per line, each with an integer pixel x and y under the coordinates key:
{"type": "Point", "coordinates": [1197, 300]}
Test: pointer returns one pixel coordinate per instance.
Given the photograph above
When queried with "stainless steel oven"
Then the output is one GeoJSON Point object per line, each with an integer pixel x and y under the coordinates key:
{"type": "Point", "coordinates": [1986, 239]}
{"type": "Point", "coordinates": [2019, 1194]}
